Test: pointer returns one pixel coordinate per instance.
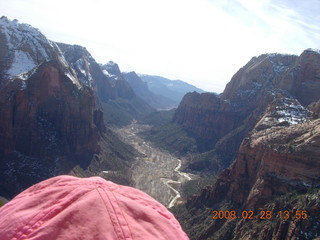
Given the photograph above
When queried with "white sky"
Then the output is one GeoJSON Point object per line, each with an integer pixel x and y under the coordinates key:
{"type": "Point", "coordinates": [203, 42]}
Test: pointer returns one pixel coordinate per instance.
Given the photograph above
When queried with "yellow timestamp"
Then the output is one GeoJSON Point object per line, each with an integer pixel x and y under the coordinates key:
{"type": "Point", "coordinates": [250, 214]}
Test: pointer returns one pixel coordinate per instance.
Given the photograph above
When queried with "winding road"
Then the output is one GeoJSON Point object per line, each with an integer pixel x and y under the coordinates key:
{"type": "Point", "coordinates": [157, 172]}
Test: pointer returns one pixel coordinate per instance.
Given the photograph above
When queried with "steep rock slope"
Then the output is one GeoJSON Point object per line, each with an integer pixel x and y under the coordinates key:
{"type": "Point", "coordinates": [50, 122]}
{"type": "Point", "coordinates": [125, 105]}
{"type": "Point", "coordinates": [276, 169]}
{"type": "Point", "coordinates": [206, 117]}
{"type": "Point", "coordinates": [277, 166]}
{"type": "Point", "coordinates": [22, 49]}
{"type": "Point", "coordinates": [221, 122]}
{"type": "Point", "coordinates": [119, 102]}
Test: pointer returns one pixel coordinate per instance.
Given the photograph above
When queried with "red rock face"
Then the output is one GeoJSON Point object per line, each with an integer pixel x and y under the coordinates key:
{"type": "Point", "coordinates": [274, 151]}
{"type": "Point", "coordinates": [50, 121]}
{"type": "Point", "coordinates": [48, 126]}
{"type": "Point", "coordinates": [259, 74]}
{"type": "Point", "coordinates": [287, 153]}
{"type": "Point", "coordinates": [299, 76]}
{"type": "Point", "coordinates": [270, 163]}
{"type": "Point", "coordinates": [279, 150]}
{"type": "Point", "coordinates": [225, 120]}
{"type": "Point", "coordinates": [205, 115]}
{"type": "Point", "coordinates": [303, 79]}
{"type": "Point", "coordinates": [315, 108]}
{"type": "Point", "coordinates": [213, 117]}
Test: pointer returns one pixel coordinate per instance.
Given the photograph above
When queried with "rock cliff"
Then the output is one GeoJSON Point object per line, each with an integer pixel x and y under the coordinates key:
{"type": "Point", "coordinates": [221, 122]}
{"type": "Point", "coordinates": [113, 94]}
{"type": "Point", "coordinates": [51, 121]}
{"type": "Point", "coordinates": [48, 125]}
{"type": "Point", "coordinates": [206, 117]}
{"type": "Point", "coordinates": [276, 167]}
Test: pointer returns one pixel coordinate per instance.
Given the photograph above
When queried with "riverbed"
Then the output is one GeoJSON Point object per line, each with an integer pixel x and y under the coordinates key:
{"type": "Point", "coordinates": [156, 172]}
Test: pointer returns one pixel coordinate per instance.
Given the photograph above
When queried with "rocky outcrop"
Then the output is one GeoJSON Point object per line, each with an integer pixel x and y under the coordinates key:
{"type": "Point", "coordinates": [272, 162]}
{"type": "Point", "coordinates": [121, 88]}
{"type": "Point", "coordinates": [278, 158]}
{"type": "Point", "coordinates": [302, 80]}
{"type": "Point", "coordinates": [124, 106]}
{"type": "Point", "coordinates": [113, 94]}
{"type": "Point", "coordinates": [22, 49]}
{"type": "Point", "coordinates": [276, 167]}
{"type": "Point", "coordinates": [258, 75]}
{"type": "Point", "coordinates": [315, 108]}
{"type": "Point", "coordinates": [221, 122]}
{"type": "Point", "coordinates": [51, 122]}
{"type": "Point", "coordinates": [298, 76]}
{"type": "Point", "coordinates": [112, 68]}
{"type": "Point", "coordinates": [95, 76]}
{"type": "Point", "coordinates": [48, 125]}
{"type": "Point", "coordinates": [206, 117]}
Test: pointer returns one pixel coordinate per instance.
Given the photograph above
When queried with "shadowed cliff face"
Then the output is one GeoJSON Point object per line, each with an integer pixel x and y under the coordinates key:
{"type": "Point", "coordinates": [113, 93]}
{"type": "Point", "coordinates": [206, 117]}
{"type": "Point", "coordinates": [50, 121]}
{"type": "Point", "coordinates": [48, 125]}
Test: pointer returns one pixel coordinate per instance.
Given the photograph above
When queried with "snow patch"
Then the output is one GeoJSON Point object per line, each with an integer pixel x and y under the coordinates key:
{"type": "Point", "coordinates": [18, 35]}
{"type": "Point", "coordinates": [73, 79]}
{"type": "Point", "coordinates": [106, 73]}
{"type": "Point", "coordinates": [289, 111]}
{"type": "Point", "coordinates": [83, 66]}
{"type": "Point", "coordinates": [26, 46]}
{"type": "Point", "coordinates": [22, 63]}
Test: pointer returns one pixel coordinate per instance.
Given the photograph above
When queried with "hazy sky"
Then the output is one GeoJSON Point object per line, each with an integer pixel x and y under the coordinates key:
{"type": "Point", "coordinates": [203, 42]}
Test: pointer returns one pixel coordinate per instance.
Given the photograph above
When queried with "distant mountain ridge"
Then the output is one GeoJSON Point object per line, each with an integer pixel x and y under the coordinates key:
{"type": "Point", "coordinates": [172, 89]}
{"type": "Point", "coordinates": [141, 89]}
{"type": "Point", "coordinates": [118, 101]}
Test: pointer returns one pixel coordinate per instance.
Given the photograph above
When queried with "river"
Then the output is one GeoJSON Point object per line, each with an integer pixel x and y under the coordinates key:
{"type": "Point", "coordinates": [157, 172]}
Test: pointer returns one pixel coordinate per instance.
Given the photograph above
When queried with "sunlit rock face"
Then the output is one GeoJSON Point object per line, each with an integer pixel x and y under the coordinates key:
{"type": "Point", "coordinates": [302, 80]}
{"type": "Point", "coordinates": [276, 169]}
{"type": "Point", "coordinates": [222, 121]}
{"type": "Point", "coordinates": [276, 164]}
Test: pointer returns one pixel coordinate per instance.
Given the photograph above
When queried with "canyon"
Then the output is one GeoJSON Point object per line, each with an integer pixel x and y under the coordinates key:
{"type": "Point", "coordinates": [64, 113]}
{"type": "Point", "coordinates": [156, 171]}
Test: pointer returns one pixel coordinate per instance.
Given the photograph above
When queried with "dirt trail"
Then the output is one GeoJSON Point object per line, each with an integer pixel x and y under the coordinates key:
{"type": "Point", "coordinates": [157, 172]}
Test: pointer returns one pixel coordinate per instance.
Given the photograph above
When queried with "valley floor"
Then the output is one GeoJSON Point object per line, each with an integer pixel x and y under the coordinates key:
{"type": "Point", "coordinates": [156, 171]}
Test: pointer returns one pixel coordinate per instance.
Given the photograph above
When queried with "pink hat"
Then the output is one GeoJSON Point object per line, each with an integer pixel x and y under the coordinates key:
{"type": "Point", "coordinates": [68, 208]}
